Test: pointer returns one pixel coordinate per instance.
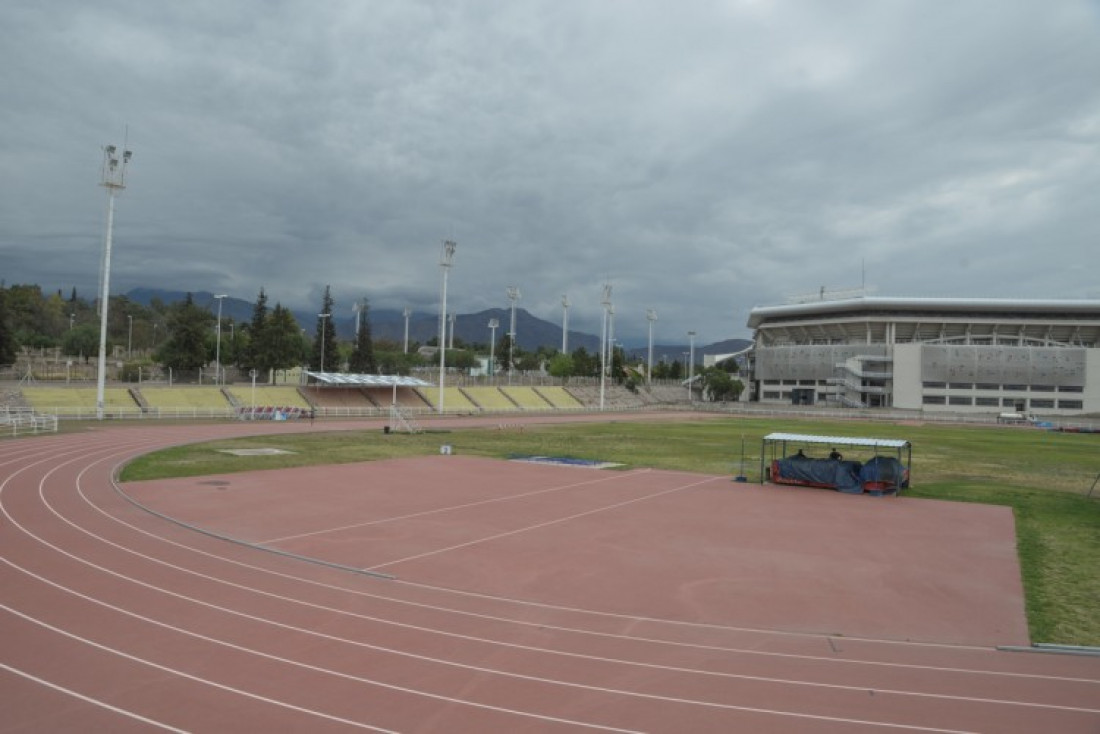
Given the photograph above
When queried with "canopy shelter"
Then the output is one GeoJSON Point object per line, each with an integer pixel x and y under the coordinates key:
{"type": "Point", "coordinates": [797, 458]}
{"type": "Point", "coordinates": [341, 379]}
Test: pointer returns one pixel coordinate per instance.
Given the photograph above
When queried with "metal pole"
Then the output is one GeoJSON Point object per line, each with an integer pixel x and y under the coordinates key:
{"type": "Point", "coordinates": [218, 345]}
{"type": "Point", "coordinates": [564, 324]}
{"type": "Point", "coordinates": [691, 366]}
{"type": "Point", "coordinates": [114, 180]}
{"type": "Point", "coordinates": [129, 335]}
{"type": "Point", "coordinates": [493, 324]}
{"type": "Point", "coordinates": [606, 302]}
{"type": "Point", "coordinates": [651, 316]}
{"type": "Point", "coordinates": [407, 314]}
{"type": "Point", "coordinates": [324, 332]}
{"type": "Point", "coordinates": [445, 262]}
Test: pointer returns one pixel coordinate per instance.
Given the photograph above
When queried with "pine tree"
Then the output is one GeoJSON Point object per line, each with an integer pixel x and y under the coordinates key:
{"type": "Point", "coordinates": [7, 337]}
{"type": "Point", "coordinates": [255, 356]}
{"type": "Point", "coordinates": [362, 358]}
{"type": "Point", "coordinates": [324, 343]}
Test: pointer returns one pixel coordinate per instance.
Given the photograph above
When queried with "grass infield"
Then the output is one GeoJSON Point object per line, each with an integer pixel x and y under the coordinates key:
{"type": "Point", "coordinates": [1042, 475]}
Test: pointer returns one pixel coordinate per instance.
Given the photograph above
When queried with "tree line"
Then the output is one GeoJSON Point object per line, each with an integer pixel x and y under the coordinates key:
{"type": "Point", "coordinates": [186, 337]}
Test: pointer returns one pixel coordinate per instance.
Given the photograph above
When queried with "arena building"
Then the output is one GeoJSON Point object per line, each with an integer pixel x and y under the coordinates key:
{"type": "Point", "coordinates": [1038, 357]}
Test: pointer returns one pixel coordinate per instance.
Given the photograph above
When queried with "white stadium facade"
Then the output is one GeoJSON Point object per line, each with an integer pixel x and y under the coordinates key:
{"type": "Point", "coordinates": [963, 355]}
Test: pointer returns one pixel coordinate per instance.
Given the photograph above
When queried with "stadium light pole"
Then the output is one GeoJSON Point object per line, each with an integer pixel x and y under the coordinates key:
{"type": "Point", "coordinates": [218, 343]}
{"type": "Point", "coordinates": [324, 332]}
{"type": "Point", "coordinates": [114, 180]}
{"type": "Point", "coordinates": [446, 260]}
{"type": "Point", "coordinates": [691, 364]}
{"type": "Point", "coordinates": [72, 317]}
{"type": "Point", "coordinates": [451, 340]}
{"type": "Point", "coordinates": [513, 296]}
{"type": "Point", "coordinates": [564, 323]}
{"type": "Point", "coordinates": [129, 335]}
{"type": "Point", "coordinates": [493, 324]}
{"type": "Point", "coordinates": [408, 313]}
{"type": "Point", "coordinates": [606, 301]}
{"type": "Point", "coordinates": [651, 316]}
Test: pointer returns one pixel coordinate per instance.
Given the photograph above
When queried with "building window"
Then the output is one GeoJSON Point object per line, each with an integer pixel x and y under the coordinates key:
{"type": "Point", "coordinates": [1011, 403]}
{"type": "Point", "coordinates": [1071, 388]}
{"type": "Point", "coordinates": [1016, 388]}
{"type": "Point", "coordinates": [960, 400]}
{"type": "Point", "coordinates": [934, 399]}
{"type": "Point", "coordinates": [1041, 403]}
{"type": "Point", "coordinates": [1071, 404]}
{"type": "Point", "coordinates": [989, 402]}
{"type": "Point", "coordinates": [771, 395]}
{"type": "Point", "coordinates": [987, 386]}
{"type": "Point", "coordinates": [961, 386]}
{"type": "Point", "coordinates": [1042, 388]}
{"type": "Point", "coordinates": [935, 385]}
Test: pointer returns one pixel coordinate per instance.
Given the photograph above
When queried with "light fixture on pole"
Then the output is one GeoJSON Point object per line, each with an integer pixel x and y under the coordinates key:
{"type": "Point", "coordinates": [513, 296]}
{"type": "Point", "coordinates": [651, 316]}
{"type": "Point", "coordinates": [324, 334]}
{"type": "Point", "coordinates": [446, 260]}
{"type": "Point", "coordinates": [114, 180]}
{"type": "Point", "coordinates": [408, 313]}
{"type": "Point", "coordinates": [218, 346]}
{"type": "Point", "coordinates": [129, 335]}
{"type": "Point", "coordinates": [564, 323]}
{"type": "Point", "coordinates": [493, 324]}
{"type": "Point", "coordinates": [691, 365]}
{"type": "Point", "coordinates": [606, 301]}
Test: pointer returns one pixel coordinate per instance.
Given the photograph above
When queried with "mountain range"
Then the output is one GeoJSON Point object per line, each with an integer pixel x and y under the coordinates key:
{"type": "Point", "coordinates": [532, 332]}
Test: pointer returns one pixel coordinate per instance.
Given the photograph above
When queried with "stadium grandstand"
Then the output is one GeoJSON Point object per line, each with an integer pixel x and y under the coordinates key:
{"type": "Point", "coordinates": [969, 355]}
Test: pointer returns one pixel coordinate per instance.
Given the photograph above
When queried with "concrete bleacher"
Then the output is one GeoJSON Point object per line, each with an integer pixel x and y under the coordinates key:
{"type": "Point", "coordinates": [273, 395]}
{"type": "Point", "coordinates": [453, 399]}
{"type": "Point", "coordinates": [490, 398]}
{"type": "Point", "coordinates": [616, 397]}
{"type": "Point", "coordinates": [79, 401]}
{"type": "Point", "coordinates": [527, 398]}
{"type": "Point", "coordinates": [407, 397]}
{"type": "Point", "coordinates": [559, 397]}
{"type": "Point", "coordinates": [338, 397]}
{"type": "Point", "coordinates": [198, 398]}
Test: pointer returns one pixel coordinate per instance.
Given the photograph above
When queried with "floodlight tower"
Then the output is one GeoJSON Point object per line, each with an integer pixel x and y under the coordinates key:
{"type": "Point", "coordinates": [114, 180]}
{"type": "Point", "coordinates": [606, 301]}
{"type": "Point", "coordinates": [357, 307]}
{"type": "Point", "coordinates": [451, 342]}
{"type": "Point", "coordinates": [691, 364]}
{"type": "Point", "coordinates": [493, 324]}
{"type": "Point", "coordinates": [564, 323]}
{"type": "Point", "coordinates": [513, 296]}
{"type": "Point", "coordinates": [446, 259]}
{"type": "Point", "coordinates": [651, 316]}
{"type": "Point", "coordinates": [408, 313]}
{"type": "Point", "coordinates": [218, 343]}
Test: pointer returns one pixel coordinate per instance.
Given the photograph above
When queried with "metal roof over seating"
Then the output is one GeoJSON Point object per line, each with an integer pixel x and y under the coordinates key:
{"type": "Point", "coordinates": [891, 443]}
{"type": "Point", "coordinates": [342, 379]}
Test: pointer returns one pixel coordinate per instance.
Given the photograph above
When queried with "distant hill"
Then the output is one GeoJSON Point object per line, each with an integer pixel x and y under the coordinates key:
{"type": "Point", "coordinates": [532, 332]}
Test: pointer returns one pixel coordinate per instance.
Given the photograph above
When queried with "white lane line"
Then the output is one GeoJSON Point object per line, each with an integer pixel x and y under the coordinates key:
{"type": "Point", "coordinates": [182, 674]}
{"type": "Point", "coordinates": [547, 523]}
{"type": "Point", "coordinates": [88, 699]}
{"type": "Point", "coordinates": [452, 508]}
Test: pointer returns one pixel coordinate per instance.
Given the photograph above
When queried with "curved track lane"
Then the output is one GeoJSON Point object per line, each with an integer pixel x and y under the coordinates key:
{"type": "Point", "coordinates": [115, 620]}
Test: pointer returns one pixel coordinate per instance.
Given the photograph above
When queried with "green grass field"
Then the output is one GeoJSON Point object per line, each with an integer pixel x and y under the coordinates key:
{"type": "Point", "coordinates": [1042, 475]}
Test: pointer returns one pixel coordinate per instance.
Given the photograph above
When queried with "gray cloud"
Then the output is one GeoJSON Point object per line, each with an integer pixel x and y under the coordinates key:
{"type": "Point", "coordinates": [705, 158]}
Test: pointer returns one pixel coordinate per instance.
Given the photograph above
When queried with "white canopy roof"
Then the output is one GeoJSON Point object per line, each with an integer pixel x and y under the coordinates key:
{"type": "Point", "coordinates": [892, 443]}
{"type": "Point", "coordinates": [347, 380]}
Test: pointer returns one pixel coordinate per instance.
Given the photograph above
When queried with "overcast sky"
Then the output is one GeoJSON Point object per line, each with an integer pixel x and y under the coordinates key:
{"type": "Point", "coordinates": [702, 157]}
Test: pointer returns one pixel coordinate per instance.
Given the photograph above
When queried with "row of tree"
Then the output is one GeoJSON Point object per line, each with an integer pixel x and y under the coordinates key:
{"type": "Point", "coordinates": [187, 337]}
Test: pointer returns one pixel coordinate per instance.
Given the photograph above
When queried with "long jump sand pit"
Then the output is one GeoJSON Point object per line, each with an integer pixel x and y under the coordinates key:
{"type": "Point", "coordinates": [640, 543]}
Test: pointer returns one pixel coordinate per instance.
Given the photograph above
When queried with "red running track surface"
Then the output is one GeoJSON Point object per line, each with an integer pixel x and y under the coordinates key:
{"type": "Point", "coordinates": [523, 598]}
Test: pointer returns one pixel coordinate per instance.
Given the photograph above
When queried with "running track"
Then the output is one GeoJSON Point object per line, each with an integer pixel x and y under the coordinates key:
{"type": "Point", "coordinates": [113, 619]}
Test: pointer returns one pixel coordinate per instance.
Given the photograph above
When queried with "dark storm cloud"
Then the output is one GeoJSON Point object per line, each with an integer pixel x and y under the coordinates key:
{"type": "Point", "coordinates": [704, 158]}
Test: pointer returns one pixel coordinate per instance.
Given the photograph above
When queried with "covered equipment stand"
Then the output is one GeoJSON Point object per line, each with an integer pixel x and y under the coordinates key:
{"type": "Point", "coordinates": [879, 474]}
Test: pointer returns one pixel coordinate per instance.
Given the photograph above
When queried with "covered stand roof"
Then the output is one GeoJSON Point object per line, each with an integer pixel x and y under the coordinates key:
{"type": "Point", "coordinates": [891, 443]}
{"type": "Point", "coordinates": [341, 379]}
